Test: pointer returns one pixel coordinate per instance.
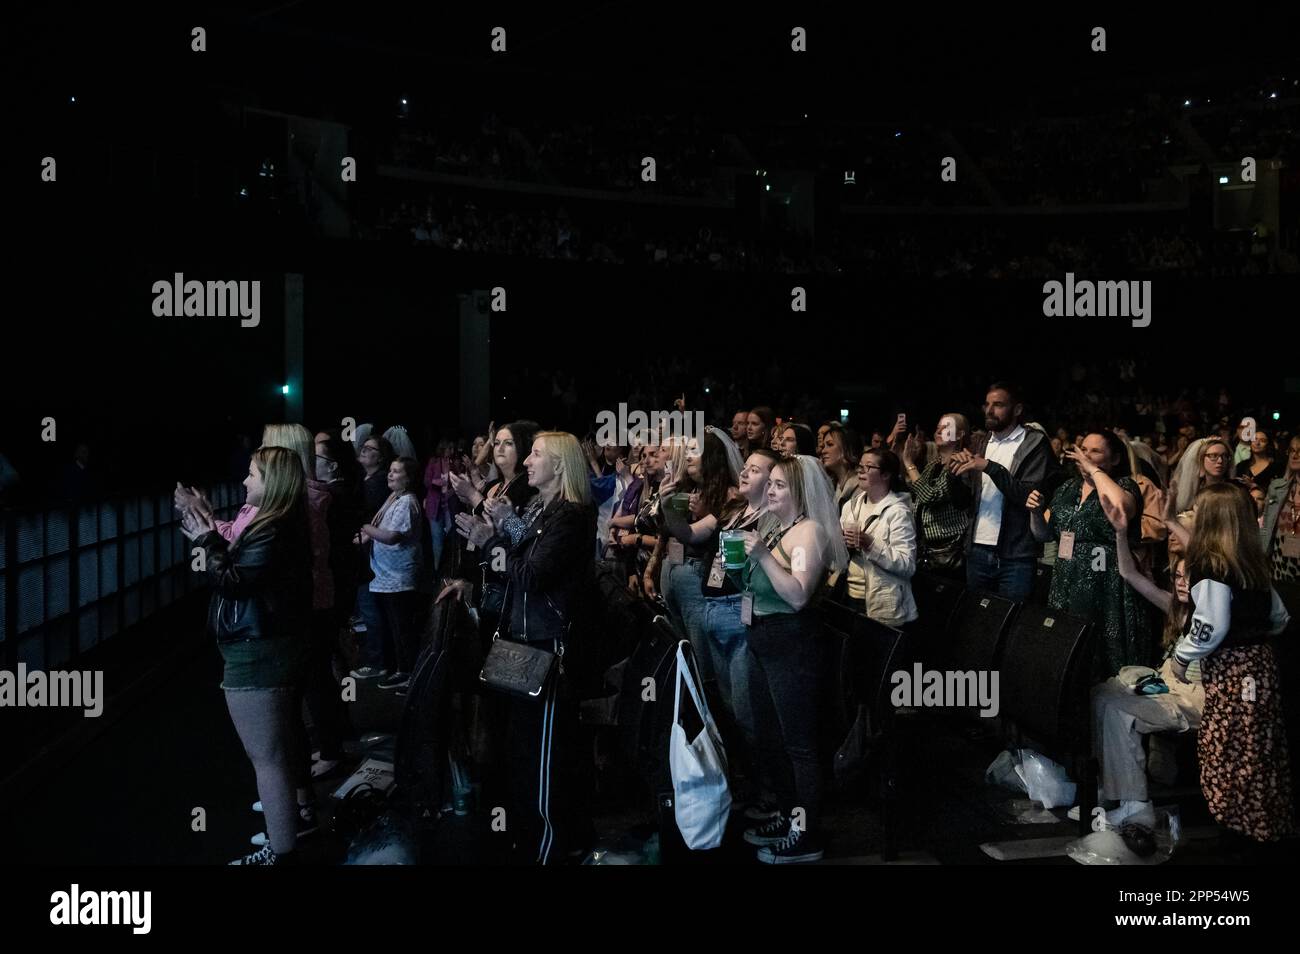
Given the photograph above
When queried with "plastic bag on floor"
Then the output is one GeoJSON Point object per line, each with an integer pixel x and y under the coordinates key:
{"type": "Point", "coordinates": [1002, 771]}
{"type": "Point", "coordinates": [1130, 844]}
{"type": "Point", "coordinates": [1045, 780]}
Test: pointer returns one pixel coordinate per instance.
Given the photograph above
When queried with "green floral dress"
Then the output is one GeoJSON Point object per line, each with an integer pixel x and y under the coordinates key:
{"type": "Point", "coordinates": [1088, 584]}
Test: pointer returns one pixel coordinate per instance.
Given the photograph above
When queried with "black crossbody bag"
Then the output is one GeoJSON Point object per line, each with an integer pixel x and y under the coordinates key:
{"type": "Point", "coordinates": [518, 668]}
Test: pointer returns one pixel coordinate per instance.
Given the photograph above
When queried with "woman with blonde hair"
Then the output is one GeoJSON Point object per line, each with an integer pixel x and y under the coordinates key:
{"type": "Point", "coordinates": [1245, 768]}
{"type": "Point", "coordinates": [785, 570]}
{"type": "Point", "coordinates": [1207, 461]}
{"type": "Point", "coordinates": [259, 614]}
{"type": "Point", "coordinates": [549, 568]}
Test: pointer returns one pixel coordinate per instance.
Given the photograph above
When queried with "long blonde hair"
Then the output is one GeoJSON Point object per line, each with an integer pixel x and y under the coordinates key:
{"type": "Point", "coordinates": [570, 462]}
{"type": "Point", "coordinates": [284, 486]}
{"type": "Point", "coordinates": [293, 437]}
{"type": "Point", "coordinates": [1225, 540]}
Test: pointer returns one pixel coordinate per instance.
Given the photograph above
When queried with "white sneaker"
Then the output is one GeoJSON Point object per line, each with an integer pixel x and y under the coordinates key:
{"type": "Point", "coordinates": [1138, 813]}
{"type": "Point", "coordinates": [1073, 813]}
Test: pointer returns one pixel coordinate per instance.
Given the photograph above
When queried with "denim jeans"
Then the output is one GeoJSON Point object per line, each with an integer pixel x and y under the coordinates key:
{"type": "Point", "coordinates": [372, 641]}
{"type": "Point", "coordinates": [784, 694]}
{"type": "Point", "coordinates": [989, 573]}
{"type": "Point", "coordinates": [728, 641]}
{"type": "Point", "coordinates": [438, 534]}
{"type": "Point", "coordinates": [685, 602]}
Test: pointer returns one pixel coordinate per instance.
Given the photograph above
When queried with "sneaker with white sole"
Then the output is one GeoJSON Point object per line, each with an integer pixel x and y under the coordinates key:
{"type": "Point", "coordinates": [796, 848]}
{"type": "Point", "coordinates": [369, 672]}
{"type": "Point", "coordinates": [398, 680]}
{"type": "Point", "coordinates": [265, 856]}
{"type": "Point", "coordinates": [769, 833]}
{"type": "Point", "coordinates": [307, 825]}
{"type": "Point", "coordinates": [1141, 813]}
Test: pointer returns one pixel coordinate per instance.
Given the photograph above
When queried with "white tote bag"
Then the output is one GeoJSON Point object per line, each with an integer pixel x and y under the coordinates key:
{"type": "Point", "coordinates": [701, 799]}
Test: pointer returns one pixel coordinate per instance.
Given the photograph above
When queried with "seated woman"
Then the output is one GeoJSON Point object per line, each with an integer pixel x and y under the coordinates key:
{"type": "Point", "coordinates": [1122, 716]}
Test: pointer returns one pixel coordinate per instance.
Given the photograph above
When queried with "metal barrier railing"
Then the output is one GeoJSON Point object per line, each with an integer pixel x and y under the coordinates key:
{"type": "Point", "coordinates": [72, 577]}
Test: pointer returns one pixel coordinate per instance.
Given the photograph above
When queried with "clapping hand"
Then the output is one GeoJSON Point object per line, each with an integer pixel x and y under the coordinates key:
{"type": "Point", "coordinates": [474, 529]}
{"type": "Point", "coordinates": [913, 449]}
{"type": "Point", "coordinates": [498, 509]}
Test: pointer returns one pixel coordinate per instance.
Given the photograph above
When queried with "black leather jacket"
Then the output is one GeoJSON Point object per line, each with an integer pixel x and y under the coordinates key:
{"type": "Point", "coordinates": [261, 583]}
{"type": "Point", "coordinates": [551, 571]}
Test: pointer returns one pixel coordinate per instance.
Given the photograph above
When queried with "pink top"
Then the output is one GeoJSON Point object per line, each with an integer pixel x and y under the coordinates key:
{"type": "Point", "coordinates": [434, 495]}
{"type": "Point", "coordinates": [231, 529]}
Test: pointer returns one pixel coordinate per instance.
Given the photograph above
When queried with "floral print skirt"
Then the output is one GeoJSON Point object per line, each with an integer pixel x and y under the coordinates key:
{"type": "Point", "coordinates": [1245, 769]}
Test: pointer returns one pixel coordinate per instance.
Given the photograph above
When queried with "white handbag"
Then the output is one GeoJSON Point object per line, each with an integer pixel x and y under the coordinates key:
{"type": "Point", "coordinates": [701, 798]}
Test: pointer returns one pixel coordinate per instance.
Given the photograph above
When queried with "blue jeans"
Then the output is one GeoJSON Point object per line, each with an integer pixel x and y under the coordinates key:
{"type": "Point", "coordinates": [728, 641]}
{"type": "Point", "coordinates": [437, 533]}
{"type": "Point", "coordinates": [681, 584]}
{"type": "Point", "coordinates": [989, 573]}
{"type": "Point", "coordinates": [372, 641]}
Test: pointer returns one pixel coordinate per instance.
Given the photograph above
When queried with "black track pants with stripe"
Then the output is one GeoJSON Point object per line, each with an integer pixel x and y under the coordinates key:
{"type": "Point", "coordinates": [543, 733]}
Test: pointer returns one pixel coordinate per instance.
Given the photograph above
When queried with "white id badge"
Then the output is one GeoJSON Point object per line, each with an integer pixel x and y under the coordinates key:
{"type": "Point", "coordinates": [717, 574]}
{"type": "Point", "coordinates": [676, 552]}
{"type": "Point", "coordinates": [1065, 551]}
{"type": "Point", "coordinates": [747, 609]}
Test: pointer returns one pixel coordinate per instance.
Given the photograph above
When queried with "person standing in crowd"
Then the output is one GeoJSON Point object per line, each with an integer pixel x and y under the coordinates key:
{"type": "Point", "coordinates": [1007, 465]}
{"type": "Point", "coordinates": [723, 632]}
{"type": "Point", "coordinates": [1206, 462]}
{"type": "Point", "coordinates": [784, 571]}
{"type": "Point", "coordinates": [260, 614]}
{"type": "Point", "coordinates": [1242, 744]}
{"type": "Point", "coordinates": [943, 501]}
{"type": "Point", "coordinates": [437, 495]}
{"type": "Point", "coordinates": [1261, 467]}
{"type": "Point", "coordinates": [609, 479]}
{"type": "Point", "coordinates": [758, 428]}
{"type": "Point", "coordinates": [840, 454]}
{"type": "Point", "coordinates": [740, 430]}
{"type": "Point", "coordinates": [797, 439]}
{"type": "Point", "coordinates": [1085, 578]}
{"type": "Point", "coordinates": [394, 535]}
{"type": "Point", "coordinates": [478, 566]}
{"type": "Point", "coordinates": [296, 438]}
{"type": "Point", "coordinates": [690, 538]}
{"type": "Point", "coordinates": [637, 538]}
{"type": "Point", "coordinates": [822, 430]}
{"type": "Point", "coordinates": [879, 528]}
{"type": "Point", "coordinates": [1280, 530]}
{"type": "Point", "coordinates": [337, 469]}
{"type": "Point", "coordinates": [480, 466]}
{"type": "Point", "coordinates": [550, 567]}
{"type": "Point", "coordinates": [376, 458]}
{"type": "Point", "coordinates": [1122, 716]}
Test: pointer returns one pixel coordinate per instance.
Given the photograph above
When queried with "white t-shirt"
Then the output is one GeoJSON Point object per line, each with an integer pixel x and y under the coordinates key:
{"type": "Point", "coordinates": [397, 565]}
{"type": "Point", "coordinates": [988, 523]}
